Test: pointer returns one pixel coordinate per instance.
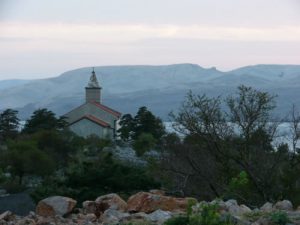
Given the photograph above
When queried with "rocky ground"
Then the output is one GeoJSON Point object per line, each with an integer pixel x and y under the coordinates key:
{"type": "Point", "coordinates": [144, 208]}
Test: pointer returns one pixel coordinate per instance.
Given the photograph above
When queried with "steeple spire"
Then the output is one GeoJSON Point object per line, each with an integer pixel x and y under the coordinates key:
{"type": "Point", "coordinates": [93, 89]}
{"type": "Point", "coordinates": [93, 83]}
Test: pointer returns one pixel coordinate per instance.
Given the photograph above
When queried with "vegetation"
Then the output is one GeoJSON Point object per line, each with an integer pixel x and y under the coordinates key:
{"type": "Point", "coordinates": [207, 215]}
{"type": "Point", "coordinates": [222, 148]}
{"type": "Point", "coordinates": [24, 158]}
{"type": "Point", "coordinates": [43, 119]}
{"type": "Point", "coordinates": [144, 130]}
{"type": "Point", "coordinates": [9, 124]}
{"type": "Point", "coordinates": [86, 178]}
{"type": "Point", "coordinates": [279, 218]}
{"type": "Point", "coordinates": [228, 153]}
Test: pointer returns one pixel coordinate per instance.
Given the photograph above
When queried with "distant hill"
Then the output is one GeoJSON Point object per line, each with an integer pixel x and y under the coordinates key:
{"type": "Point", "coordinates": [4, 84]}
{"type": "Point", "coordinates": [161, 88]}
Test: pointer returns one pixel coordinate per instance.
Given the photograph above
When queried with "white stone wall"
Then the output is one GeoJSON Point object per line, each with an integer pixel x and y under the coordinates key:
{"type": "Point", "coordinates": [86, 128]}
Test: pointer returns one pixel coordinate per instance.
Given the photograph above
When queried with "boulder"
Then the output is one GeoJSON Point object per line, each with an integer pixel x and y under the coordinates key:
{"type": "Point", "coordinates": [148, 203]}
{"type": "Point", "coordinates": [244, 209]}
{"type": "Point", "coordinates": [7, 215]}
{"type": "Point", "coordinates": [159, 216]}
{"type": "Point", "coordinates": [285, 205]}
{"type": "Point", "coordinates": [157, 192]}
{"type": "Point", "coordinates": [232, 207]}
{"type": "Point", "coordinates": [267, 207]}
{"type": "Point", "coordinates": [90, 217]}
{"type": "Point", "coordinates": [111, 201]}
{"type": "Point", "coordinates": [263, 221]}
{"type": "Point", "coordinates": [25, 221]}
{"type": "Point", "coordinates": [136, 218]}
{"type": "Point", "coordinates": [112, 216]}
{"type": "Point", "coordinates": [89, 207]}
{"type": "Point", "coordinates": [55, 205]}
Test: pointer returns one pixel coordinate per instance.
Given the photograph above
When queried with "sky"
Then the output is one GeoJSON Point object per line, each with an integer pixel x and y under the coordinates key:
{"type": "Point", "coordinates": [45, 38]}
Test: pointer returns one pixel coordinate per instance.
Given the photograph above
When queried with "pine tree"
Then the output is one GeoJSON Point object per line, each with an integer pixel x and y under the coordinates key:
{"type": "Point", "coordinates": [9, 124]}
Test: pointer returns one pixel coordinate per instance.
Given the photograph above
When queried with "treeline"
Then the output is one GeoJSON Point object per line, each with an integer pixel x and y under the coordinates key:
{"type": "Point", "coordinates": [228, 153]}
{"type": "Point", "coordinates": [47, 158]}
{"type": "Point", "coordinates": [214, 153]}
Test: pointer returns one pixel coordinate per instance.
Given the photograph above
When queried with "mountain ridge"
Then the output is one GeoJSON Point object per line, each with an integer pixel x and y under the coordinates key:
{"type": "Point", "coordinates": [161, 88]}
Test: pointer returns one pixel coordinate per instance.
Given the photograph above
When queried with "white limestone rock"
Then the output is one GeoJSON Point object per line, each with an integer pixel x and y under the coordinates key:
{"type": "Point", "coordinates": [285, 205]}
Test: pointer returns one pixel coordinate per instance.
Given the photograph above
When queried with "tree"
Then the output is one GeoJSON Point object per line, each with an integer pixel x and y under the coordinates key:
{"type": "Point", "coordinates": [234, 140]}
{"type": "Point", "coordinates": [87, 178]}
{"type": "Point", "coordinates": [146, 122]}
{"type": "Point", "coordinates": [127, 127]}
{"type": "Point", "coordinates": [144, 143]}
{"type": "Point", "coordinates": [295, 128]}
{"type": "Point", "coordinates": [9, 124]}
{"type": "Point", "coordinates": [58, 145]}
{"type": "Point", "coordinates": [24, 158]}
{"type": "Point", "coordinates": [144, 131]}
{"type": "Point", "coordinates": [143, 122]}
{"type": "Point", "coordinates": [43, 119]}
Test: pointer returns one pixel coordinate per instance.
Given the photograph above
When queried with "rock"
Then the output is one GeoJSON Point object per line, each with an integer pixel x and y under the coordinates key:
{"type": "Point", "coordinates": [26, 221]}
{"type": "Point", "coordinates": [55, 205]}
{"type": "Point", "coordinates": [112, 216]}
{"type": "Point", "coordinates": [136, 218]}
{"type": "Point", "coordinates": [111, 201]}
{"type": "Point", "coordinates": [45, 221]}
{"type": "Point", "coordinates": [285, 205]}
{"type": "Point", "coordinates": [231, 202]}
{"type": "Point", "coordinates": [263, 221]}
{"type": "Point", "coordinates": [89, 207]}
{"type": "Point", "coordinates": [232, 207]}
{"type": "Point", "coordinates": [91, 217]}
{"type": "Point", "coordinates": [148, 203]}
{"type": "Point", "coordinates": [7, 215]}
{"type": "Point", "coordinates": [157, 192]}
{"type": "Point", "coordinates": [159, 216]}
{"type": "Point", "coordinates": [267, 207]}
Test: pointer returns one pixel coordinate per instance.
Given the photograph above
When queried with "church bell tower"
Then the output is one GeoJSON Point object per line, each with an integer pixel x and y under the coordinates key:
{"type": "Point", "coordinates": [93, 89]}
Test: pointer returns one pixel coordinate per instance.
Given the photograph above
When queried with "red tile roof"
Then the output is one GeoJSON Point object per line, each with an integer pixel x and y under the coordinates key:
{"type": "Point", "coordinates": [93, 119]}
{"type": "Point", "coordinates": [107, 109]}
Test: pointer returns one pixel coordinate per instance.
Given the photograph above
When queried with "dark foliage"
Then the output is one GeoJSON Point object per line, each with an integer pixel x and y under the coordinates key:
{"type": "Point", "coordinates": [43, 119]}
{"type": "Point", "coordinates": [87, 178]}
{"type": "Point", "coordinates": [9, 124]}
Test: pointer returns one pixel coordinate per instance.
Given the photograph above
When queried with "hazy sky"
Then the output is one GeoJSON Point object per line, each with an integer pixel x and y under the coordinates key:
{"type": "Point", "coordinates": [42, 38]}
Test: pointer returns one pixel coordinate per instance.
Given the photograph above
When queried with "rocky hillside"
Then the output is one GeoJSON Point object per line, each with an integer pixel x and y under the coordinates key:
{"type": "Point", "coordinates": [160, 88]}
{"type": "Point", "coordinates": [152, 207]}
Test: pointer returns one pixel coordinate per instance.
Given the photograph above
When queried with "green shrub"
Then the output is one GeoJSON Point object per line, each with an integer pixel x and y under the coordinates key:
{"type": "Point", "coordinates": [207, 215]}
{"type": "Point", "coordinates": [279, 218]}
{"type": "Point", "coordinates": [87, 178]}
{"type": "Point", "coordinates": [180, 220]}
{"type": "Point", "coordinates": [191, 203]}
{"type": "Point", "coordinates": [254, 215]}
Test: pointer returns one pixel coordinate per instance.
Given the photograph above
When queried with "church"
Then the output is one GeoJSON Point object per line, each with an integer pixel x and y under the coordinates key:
{"type": "Point", "coordinates": [92, 117]}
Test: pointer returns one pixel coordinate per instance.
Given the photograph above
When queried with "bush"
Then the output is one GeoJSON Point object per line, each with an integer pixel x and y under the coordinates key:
{"type": "Point", "coordinates": [144, 143]}
{"type": "Point", "coordinates": [87, 178]}
{"type": "Point", "coordinates": [279, 218]}
{"type": "Point", "coordinates": [207, 215]}
{"type": "Point", "coordinates": [180, 220]}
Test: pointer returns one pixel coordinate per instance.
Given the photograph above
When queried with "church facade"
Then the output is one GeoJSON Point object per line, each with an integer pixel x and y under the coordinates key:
{"type": "Point", "coordinates": [92, 117]}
